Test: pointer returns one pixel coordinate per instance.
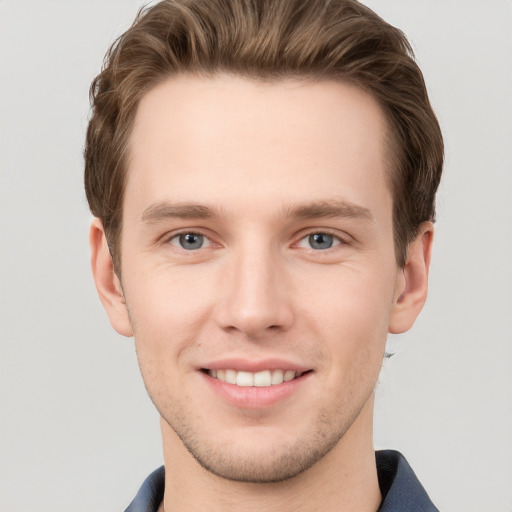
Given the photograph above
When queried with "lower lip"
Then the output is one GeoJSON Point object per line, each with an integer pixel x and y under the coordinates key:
{"type": "Point", "coordinates": [253, 397]}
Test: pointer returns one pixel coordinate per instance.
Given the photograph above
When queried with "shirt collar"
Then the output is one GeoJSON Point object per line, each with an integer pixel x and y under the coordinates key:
{"type": "Point", "coordinates": [401, 490]}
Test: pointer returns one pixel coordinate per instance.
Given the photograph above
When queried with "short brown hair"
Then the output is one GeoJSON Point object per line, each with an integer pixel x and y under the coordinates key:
{"type": "Point", "coordinates": [267, 40]}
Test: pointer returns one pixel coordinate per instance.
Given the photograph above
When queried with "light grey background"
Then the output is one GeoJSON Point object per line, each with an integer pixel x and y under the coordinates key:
{"type": "Point", "coordinates": [77, 430]}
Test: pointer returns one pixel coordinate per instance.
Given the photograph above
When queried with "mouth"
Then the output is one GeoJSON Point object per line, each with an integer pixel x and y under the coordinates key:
{"type": "Point", "coordinates": [255, 385]}
{"type": "Point", "coordinates": [261, 379]}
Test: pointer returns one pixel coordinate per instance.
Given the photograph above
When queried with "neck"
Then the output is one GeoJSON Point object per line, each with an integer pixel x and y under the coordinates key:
{"type": "Point", "coordinates": [343, 480]}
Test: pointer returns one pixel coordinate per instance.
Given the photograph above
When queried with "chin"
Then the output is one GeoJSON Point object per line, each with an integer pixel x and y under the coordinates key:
{"type": "Point", "coordinates": [261, 467]}
{"type": "Point", "coordinates": [262, 458]}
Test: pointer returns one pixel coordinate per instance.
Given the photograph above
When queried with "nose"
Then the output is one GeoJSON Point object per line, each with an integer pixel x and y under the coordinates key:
{"type": "Point", "coordinates": [256, 299]}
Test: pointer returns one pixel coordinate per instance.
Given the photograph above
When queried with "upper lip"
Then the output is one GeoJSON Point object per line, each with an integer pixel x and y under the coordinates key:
{"type": "Point", "coordinates": [254, 365]}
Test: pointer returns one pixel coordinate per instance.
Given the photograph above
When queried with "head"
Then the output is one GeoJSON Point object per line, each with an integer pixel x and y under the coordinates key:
{"type": "Point", "coordinates": [340, 40]}
{"type": "Point", "coordinates": [263, 176]}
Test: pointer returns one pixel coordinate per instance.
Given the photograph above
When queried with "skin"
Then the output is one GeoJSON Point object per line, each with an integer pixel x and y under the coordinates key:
{"type": "Point", "coordinates": [255, 169]}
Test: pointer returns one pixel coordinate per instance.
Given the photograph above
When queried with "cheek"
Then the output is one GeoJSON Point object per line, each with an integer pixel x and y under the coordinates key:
{"type": "Point", "coordinates": [352, 316]}
{"type": "Point", "coordinates": [354, 298]}
{"type": "Point", "coordinates": [167, 311]}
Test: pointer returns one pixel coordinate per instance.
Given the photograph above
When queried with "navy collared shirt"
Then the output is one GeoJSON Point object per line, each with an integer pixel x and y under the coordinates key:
{"type": "Point", "coordinates": [401, 490]}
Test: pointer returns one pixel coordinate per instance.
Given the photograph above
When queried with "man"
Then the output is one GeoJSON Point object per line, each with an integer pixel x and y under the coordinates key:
{"type": "Point", "coordinates": [263, 176]}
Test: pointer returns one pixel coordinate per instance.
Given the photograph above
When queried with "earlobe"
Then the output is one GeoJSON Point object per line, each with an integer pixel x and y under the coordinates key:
{"type": "Point", "coordinates": [107, 283]}
{"type": "Point", "coordinates": [412, 284]}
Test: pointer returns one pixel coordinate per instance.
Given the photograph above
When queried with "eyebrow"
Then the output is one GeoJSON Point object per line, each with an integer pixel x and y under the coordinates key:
{"type": "Point", "coordinates": [167, 210]}
{"type": "Point", "coordinates": [329, 209]}
{"type": "Point", "coordinates": [316, 209]}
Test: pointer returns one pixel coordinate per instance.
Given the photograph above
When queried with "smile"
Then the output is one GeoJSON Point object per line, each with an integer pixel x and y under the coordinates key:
{"type": "Point", "coordinates": [261, 379]}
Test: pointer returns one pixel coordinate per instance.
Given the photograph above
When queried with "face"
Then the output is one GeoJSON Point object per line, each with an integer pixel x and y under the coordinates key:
{"type": "Point", "coordinates": [258, 267]}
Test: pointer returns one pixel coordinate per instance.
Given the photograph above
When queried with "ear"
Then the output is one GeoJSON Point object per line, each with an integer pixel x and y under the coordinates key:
{"type": "Point", "coordinates": [412, 284]}
{"type": "Point", "coordinates": [107, 283]}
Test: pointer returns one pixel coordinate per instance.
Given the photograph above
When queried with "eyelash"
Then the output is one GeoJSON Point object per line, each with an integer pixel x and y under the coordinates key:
{"type": "Point", "coordinates": [337, 240]}
{"type": "Point", "coordinates": [176, 236]}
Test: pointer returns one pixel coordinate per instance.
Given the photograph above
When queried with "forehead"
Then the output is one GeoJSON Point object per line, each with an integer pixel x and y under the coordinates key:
{"type": "Point", "coordinates": [227, 139]}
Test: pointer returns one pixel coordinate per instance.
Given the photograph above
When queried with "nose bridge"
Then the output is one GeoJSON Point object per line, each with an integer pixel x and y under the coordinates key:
{"type": "Point", "coordinates": [255, 298]}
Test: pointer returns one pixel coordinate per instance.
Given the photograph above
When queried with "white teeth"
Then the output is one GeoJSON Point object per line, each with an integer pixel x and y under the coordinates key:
{"type": "Point", "coordinates": [245, 379]}
{"type": "Point", "coordinates": [230, 376]}
{"type": "Point", "coordinates": [277, 377]}
{"type": "Point", "coordinates": [288, 375]}
{"type": "Point", "coordinates": [264, 378]}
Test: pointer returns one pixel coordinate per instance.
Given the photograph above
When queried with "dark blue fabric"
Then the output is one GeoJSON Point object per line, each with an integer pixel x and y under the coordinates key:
{"type": "Point", "coordinates": [150, 494]}
{"type": "Point", "coordinates": [401, 490]}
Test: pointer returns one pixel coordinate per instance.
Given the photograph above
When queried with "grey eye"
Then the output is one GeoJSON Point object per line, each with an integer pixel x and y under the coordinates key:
{"type": "Point", "coordinates": [321, 241]}
{"type": "Point", "coordinates": [190, 241]}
